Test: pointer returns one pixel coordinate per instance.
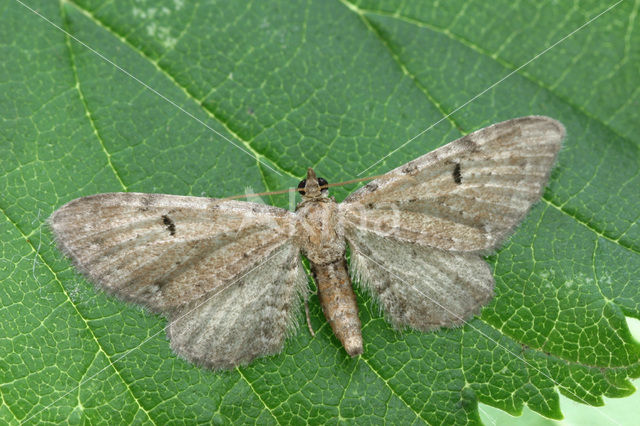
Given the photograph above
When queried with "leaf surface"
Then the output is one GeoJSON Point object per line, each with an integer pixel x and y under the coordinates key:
{"type": "Point", "coordinates": [335, 85]}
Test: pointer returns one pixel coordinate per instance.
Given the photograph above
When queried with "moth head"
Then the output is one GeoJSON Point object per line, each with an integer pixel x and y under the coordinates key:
{"type": "Point", "coordinates": [312, 186]}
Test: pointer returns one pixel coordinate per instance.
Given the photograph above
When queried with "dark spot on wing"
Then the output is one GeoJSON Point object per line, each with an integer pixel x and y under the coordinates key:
{"type": "Point", "coordinates": [457, 177]}
{"type": "Point", "coordinates": [158, 284]}
{"type": "Point", "coordinates": [370, 187]}
{"type": "Point", "coordinates": [468, 142]}
{"type": "Point", "coordinates": [169, 224]}
{"type": "Point", "coordinates": [146, 202]}
{"type": "Point", "coordinates": [409, 168]}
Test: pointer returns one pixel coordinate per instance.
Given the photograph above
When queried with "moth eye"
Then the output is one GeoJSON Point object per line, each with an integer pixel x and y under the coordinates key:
{"type": "Point", "coordinates": [301, 186]}
{"type": "Point", "coordinates": [322, 183]}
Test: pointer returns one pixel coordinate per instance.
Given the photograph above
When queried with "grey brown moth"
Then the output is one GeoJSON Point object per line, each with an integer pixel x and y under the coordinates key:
{"type": "Point", "coordinates": [228, 274]}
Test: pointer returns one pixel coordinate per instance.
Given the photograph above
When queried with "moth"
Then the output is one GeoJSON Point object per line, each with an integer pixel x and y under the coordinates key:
{"type": "Point", "coordinates": [229, 277]}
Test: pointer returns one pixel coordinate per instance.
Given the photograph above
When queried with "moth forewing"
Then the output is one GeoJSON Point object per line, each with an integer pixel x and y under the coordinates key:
{"type": "Point", "coordinates": [469, 194]}
{"type": "Point", "coordinates": [165, 250]}
{"type": "Point", "coordinates": [387, 219]}
{"type": "Point", "coordinates": [270, 218]}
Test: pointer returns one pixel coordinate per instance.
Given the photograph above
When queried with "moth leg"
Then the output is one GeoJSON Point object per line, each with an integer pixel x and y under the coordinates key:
{"type": "Point", "coordinates": [306, 311]}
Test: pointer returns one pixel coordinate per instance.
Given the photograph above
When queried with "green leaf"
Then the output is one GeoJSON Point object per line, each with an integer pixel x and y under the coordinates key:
{"type": "Point", "coordinates": [336, 85]}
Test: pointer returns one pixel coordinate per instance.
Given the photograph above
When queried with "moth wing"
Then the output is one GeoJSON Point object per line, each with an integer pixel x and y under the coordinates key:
{"type": "Point", "coordinates": [417, 232]}
{"type": "Point", "coordinates": [421, 287]}
{"type": "Point", "coordinates": [251, 318]}
{"type": "Point", "coordinates": [466, 196]}
{"type": "Point", "coordinates": [225, 272]}
{"type": "Point", "coordinates": [165, 251]}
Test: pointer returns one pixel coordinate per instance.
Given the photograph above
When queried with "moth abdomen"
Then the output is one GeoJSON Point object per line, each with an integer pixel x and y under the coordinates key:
{"type": "Point", "coordinates": [339, 303]}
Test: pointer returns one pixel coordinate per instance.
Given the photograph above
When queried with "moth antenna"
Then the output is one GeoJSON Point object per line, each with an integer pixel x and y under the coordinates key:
{"type": "Point", "coordinates": [347, 182]}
